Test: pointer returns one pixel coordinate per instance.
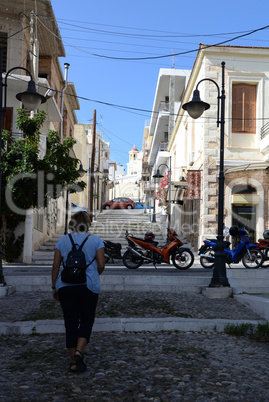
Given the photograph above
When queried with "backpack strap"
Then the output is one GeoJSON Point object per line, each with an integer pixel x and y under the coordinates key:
{"type": "Point", "coordinates": [75, 244]}
{"type": "Point", "coordinates": [84, 241]}
{"type": "Point", "coordinates": [71, 239]}
{"type": "Point", "coordinates": [90, 262]}
{"type": "Point", "coordinates": [80, 247]}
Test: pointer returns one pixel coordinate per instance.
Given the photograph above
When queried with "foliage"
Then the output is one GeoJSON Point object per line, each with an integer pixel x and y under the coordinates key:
{"type": "Point", "coordinates": [259, 332]}
{"type": "Point", "coordinates": [161, 194]}
{"type": "Point", "coordinates": [28, 180]}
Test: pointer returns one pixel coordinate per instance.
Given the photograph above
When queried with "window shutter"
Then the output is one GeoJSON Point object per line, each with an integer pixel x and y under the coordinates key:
{"type": "Point", "coordinates": [237, 108]}
{"type": "Point", "coordinates": [244, 108]}
{"type": "Point", "coordinates": [250, 109]}
{"type": "Point", "coordinates": [7, 119]}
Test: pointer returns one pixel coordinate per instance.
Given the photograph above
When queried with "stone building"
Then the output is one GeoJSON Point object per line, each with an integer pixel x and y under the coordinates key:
{"type": "Point", "coordinates": [32, 41]}
{"type": "Point", "coordinates": [195, 144]}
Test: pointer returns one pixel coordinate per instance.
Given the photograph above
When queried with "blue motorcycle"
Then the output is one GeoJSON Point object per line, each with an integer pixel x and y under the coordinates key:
{"type": "Point", "coordinates": [247, 252]}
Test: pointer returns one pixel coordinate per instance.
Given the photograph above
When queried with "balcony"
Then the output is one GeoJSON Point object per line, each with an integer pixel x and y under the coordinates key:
{"type": "Point", "coordinates": [160, 127]}
{"type": "Point", "coordinates": [163, 146]}
{"type": "Point", "coordinates": [264, 139]}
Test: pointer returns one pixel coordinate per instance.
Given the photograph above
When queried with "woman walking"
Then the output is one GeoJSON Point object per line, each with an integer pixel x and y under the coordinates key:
{"type": "Point", "coordinates": [78, 300]}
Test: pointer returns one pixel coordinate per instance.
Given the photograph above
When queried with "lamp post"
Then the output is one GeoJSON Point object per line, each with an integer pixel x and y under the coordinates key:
{"type": "Point", "coordinates": [105, 180]}
{"type": "Point", "coordinates": [97, 173]}
{"type": "Point", "coordinates": [31, 100]}
{"type": "Point", "coordinates": [195, 108]}
{"type": "Point", "coordinates": [158, 175]}
{"type": "Point", "coordinates": [146, 198]}
{"type": "Point", "coordinates": [81, 172]}
{"type": "Point", "coordinates": [153, 218]}
{"type": "Point", "coordinates": [145, 176]}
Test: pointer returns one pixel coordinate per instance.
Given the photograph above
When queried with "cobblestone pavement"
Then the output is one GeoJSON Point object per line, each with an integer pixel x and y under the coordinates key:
{"type": "Point", "coordinates": [39, 305]}
{"type": "Point", "coordinates": [159, 366]}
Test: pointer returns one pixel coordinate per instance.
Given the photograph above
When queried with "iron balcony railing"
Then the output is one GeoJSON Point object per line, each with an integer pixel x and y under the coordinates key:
{"type": "Point", "coordinates": [163, 146]}
{"type": "Point", "coordinates": [264, 130]}
{"type": "Point", "coordinates": [164, 106]}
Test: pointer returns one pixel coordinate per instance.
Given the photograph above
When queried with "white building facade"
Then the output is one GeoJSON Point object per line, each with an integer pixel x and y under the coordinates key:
{"type": "Point", "coordinates": [195, 143]}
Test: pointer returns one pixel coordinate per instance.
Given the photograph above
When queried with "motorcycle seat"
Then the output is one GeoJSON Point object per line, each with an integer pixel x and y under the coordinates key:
{"type": "Point", "coordinates": [110, 244]}
{"type": "Point", "coordinates": [155, 243]}
{"type": "Point", "coordinates": [146, 241]}
{"type": "Point", "coordinates": [263, 241]}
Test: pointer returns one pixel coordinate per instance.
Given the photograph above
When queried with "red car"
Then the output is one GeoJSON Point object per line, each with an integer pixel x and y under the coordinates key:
{"type": "Point", "coordinates": [119, 203]}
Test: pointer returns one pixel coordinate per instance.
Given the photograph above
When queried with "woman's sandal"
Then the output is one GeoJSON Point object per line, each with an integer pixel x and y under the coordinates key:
{"type": "Point", "coordinates": [73, 368]}
{"type": "Point", "coordinates": [81, 365]}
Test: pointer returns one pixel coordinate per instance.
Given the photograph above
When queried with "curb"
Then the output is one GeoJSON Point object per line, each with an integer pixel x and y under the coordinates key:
{"type": "Point", "coordinates": [124, 325]}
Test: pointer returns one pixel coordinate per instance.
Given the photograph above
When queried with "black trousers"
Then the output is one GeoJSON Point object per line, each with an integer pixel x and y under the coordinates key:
{"type": "Point", "coordinates": [78, 304]}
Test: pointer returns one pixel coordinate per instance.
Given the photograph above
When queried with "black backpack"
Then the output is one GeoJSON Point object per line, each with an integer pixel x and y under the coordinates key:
{"type": "Point", "coordinates": [74, 270]}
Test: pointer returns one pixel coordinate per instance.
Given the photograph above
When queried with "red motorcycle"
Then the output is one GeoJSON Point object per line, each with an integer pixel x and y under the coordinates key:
{"type": "Point", "coordinates": [145, 250]}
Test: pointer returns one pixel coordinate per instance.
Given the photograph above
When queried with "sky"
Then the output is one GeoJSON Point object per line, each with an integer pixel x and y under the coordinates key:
{"type": "Point", "coordinates": [116, 48]}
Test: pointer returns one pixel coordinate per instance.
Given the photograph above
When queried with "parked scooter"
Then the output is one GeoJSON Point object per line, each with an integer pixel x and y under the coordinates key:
{"type": "Point", "coordinates": [264, 245]}
{"type": "Point", "coordinates": [145, 250]}
{"type": "Point", "coordinates": [247, 252]}
{"type": "Point", "coordinates": [112, 251]}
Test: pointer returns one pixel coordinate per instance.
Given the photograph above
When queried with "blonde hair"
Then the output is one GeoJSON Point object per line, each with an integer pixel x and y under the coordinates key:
{"type": "Point", "coordinates": [80, 222]}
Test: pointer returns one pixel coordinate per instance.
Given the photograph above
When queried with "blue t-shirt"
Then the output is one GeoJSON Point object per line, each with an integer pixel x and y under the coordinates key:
{"type": "Point", "coordinates": [90, 248]}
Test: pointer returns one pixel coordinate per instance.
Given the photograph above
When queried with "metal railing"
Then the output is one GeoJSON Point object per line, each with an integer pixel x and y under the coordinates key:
{"type": "Point", "coordinates": [163, 146]}
{"type": "Point", "coordinates": [164, 106]}
{"type": "Point", "coordinates": [264, 130]}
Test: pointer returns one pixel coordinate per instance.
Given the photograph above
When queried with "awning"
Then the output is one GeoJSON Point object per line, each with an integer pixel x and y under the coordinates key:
{"type": "Point", "coordinates": [245, 199]}
{"type": "Point", "coordinates": [249, 166]}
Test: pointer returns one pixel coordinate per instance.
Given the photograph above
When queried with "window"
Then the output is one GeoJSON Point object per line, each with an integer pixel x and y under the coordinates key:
{"type": "Point", "coordinates": [243, 189]}
{"type": "Point", "coordinates": [7, 118]}
{"type": "Point", "coordinates": [3, 43]}
{"type": "Point", "coordinates": [244, 108]}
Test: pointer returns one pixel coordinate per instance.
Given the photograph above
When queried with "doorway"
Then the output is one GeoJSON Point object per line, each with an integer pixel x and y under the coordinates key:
{"type": "Point", "coordinates": [245, 217]}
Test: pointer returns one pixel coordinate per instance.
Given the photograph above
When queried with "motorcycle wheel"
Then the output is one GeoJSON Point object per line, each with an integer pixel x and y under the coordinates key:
{"type": "Point", "coordinates": [255, 259]}
{"type": "Point", "coordinates": [182, 258]}
{"type": "Point", "coordinates": [265, 263]}
{"type": "Point", "coordinates": [204, 261]}
{"type": "Point", "coordinates": [131, 260]}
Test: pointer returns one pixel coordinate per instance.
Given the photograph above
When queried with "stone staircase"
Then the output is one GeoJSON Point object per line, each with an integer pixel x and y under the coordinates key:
{"type": "Point", "coordinates": [109, 225]}
{"type": "Point", "coordinates": [249, 281]}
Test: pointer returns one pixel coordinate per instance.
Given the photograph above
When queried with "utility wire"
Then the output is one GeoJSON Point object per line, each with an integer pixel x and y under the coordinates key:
{"type": "Point", "coordinates": [162, 56]}
{"type": "Point", "coordinates": [122, 107]}
{"type": "Point", "coordinates": [3, 41]}
{"type": "Point", "coordinates": [182, 53]}
{"type": "Point", "coordinates": [173, 34]}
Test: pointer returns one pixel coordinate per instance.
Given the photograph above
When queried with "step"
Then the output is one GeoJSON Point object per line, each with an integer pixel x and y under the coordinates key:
{"type": "Point", "coordinates": [110, 282]}
{"type": "Point", "coordinates": [111, 226]}
{"type": "Point", "coordinates": [259, 303]}
{"type": "Point", "coordinates": [249, 281]}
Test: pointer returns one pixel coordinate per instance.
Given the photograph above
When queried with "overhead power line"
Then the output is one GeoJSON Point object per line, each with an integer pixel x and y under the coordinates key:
{"type": "Point", "coordinates": [122, 107]}
{"type": "Point", "coordinates": [160, 56]}
{"type": "Point", "coordinates": [135, 35]}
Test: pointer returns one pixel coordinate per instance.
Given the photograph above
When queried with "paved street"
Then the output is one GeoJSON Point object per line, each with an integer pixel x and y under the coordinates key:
{"type": "Point", "coordinates": [118, 268]}
{"type": "Point", "coordinates": [198, 364]}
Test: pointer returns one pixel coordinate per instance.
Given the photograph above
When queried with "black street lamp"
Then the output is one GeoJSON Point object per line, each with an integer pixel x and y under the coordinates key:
{"type": "Point", "coordinates": [81, 172]}
{"type": "Point", "coordinates": [195, 108]}
{"type": "Point", "coordinates": [104, 181]}
{"type": "Point", "coordinates": [97, 173]}
{"type": "Point", "coordinates": [153, 218]}
{"type": "Point", "coordinates": [158, 175]}
{"type": "Point", "coordinates": [145, 176]}
{"type": "Point", "coordinates": [31, 100]}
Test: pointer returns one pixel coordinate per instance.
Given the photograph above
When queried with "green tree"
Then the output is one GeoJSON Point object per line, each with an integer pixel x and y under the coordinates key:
{"type": "Point", "coordinates": [29, 181]}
